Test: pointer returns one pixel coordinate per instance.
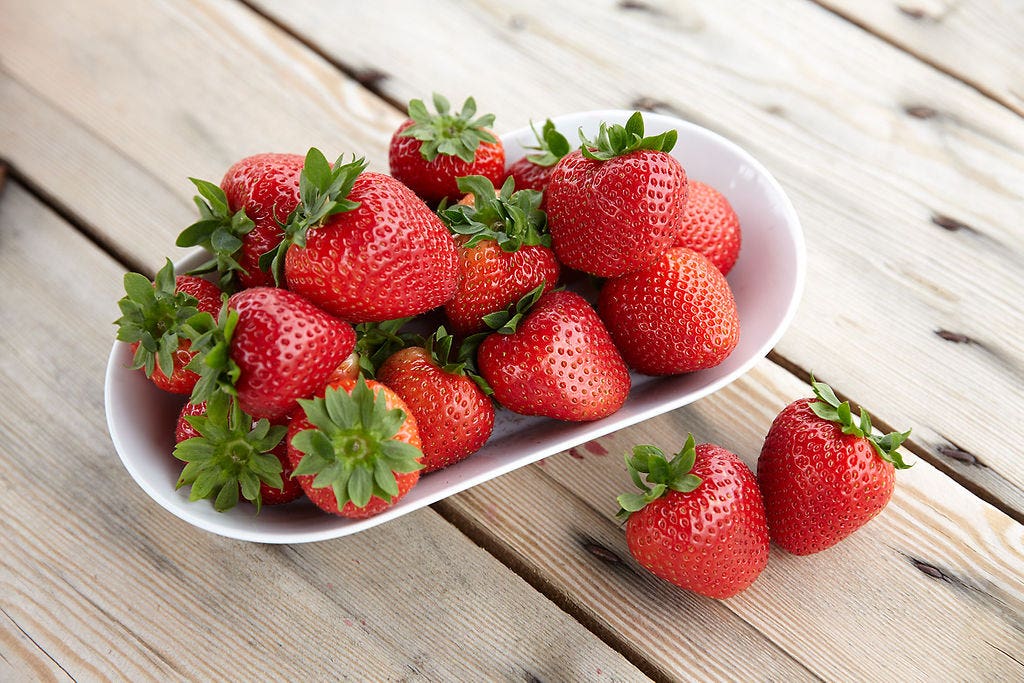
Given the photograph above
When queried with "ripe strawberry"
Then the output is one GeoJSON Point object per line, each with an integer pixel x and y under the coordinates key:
{"type": "Point", "coordinates": [454, 416]}
{"type": "Point", "coordinates": [242, 219]}
{"type": "Point", "coordinates": [824, 474]}
{"type": "Point", "coordinates": [428, 152]}
{"type": "Point", "coordinates": [710, 226]}
{"type": "Point", "coordinates": [615, 205]}
{"type": "Point", "coordinates": [363, 247]}
{"type": "Point", "coordinates": [701, 523]}
{"type": "Point", "coordinates": [554, 358]}
{"type": "Point", "coordinates": [153, 318]}
{"type": "Point", "coordinates": [270, 347]}
{"type": "Point", "coordinates": [533, 171]}
{"type": "Point", "coordinates": [356, 449]}
{"type": "Point", "coordinates": [504, 251]}
{"type": "Point", "coordinates": [677, 315]}
{"type": "Point", "coordinates": [226, 454]}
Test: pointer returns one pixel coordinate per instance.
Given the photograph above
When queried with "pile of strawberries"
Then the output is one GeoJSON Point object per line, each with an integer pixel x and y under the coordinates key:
{"type": "Point", "coordinates": [351, 330]}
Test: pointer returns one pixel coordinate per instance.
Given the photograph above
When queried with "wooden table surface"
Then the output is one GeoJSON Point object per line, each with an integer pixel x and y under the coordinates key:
{"type": "Point", "coordinates": [895, 127]}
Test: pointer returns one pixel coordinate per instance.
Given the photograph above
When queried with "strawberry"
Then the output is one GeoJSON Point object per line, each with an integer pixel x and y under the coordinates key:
{"type": "Point", "coordinates": [429, 151]}
{"type": "Point", "coordinates": [533, 171]}
{"type": "Point", "coordinates": [242, 219]}
{"type": "Point", "coordinates": [700, 523]}
{"type": "Point", "coordinates": [454, 416]}
{"type": "Point", "coordinates": [823, 473]}
{"type": "Point", "coordinates": [615, 205]}
{"type": "Point", "coordinates": [677, 315]}
{"type": "Point", "coordinates": [552, 356]}
{"type": "Point", "coordinates": [356, 449]}
{"type": "Point", "coordinates": [270, 347]}
{"type": "Point", "coordinates": [363, 247]}
{"type": "Point", "coordinates": [227, 454]}
{"type": "Point", "coordinates": [503, 248]}
{"type": "Point", "coordinates": [153, 319]}
{"type": "Point", "coordinates": [710, 226]}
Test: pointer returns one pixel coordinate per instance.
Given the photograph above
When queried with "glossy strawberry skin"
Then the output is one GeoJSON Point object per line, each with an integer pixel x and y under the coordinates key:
{"type": "Point", "coordinates": [713, 540]}
{"type": "Point", "coordinates": [435, 180]}
{"type": "Point", "coordinates": [389, 258]}
{"type": "Point", "coordinates": [530, 176]}
{"type": "Point", "coordinates": [182, 381]}
{"type": "Point", "coordinates": [268, 495]}
{"type": "Point", "coordinates": [324, 497]}
{"type": "Point", "coordinates": [453, 415]}
{"type": "Point", "coordinates": [559, 363]}
{"type": "Point", "coordinates": [286, 348]}
{"type": "Point", "coordinates": [676, 316]}
{"type": "Point", "coordinates": [609, 218]}
{"type": "Point", "coordinates": [267, 187]}
{"type": "Point", "coordinates": [493, 279]}
{"type": "Point", "coordinates": [819, 484]}
{"type": "Point", "coordinates": [711, 226]}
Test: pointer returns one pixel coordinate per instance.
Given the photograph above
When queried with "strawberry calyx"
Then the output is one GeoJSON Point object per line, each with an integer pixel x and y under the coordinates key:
{"type": "Point", "coordinates": [219, 231]}
{"type": "Point", "coordinates": [351, 447]}
{"type": "Point", "coordinates": [230, 456]}
{"type": "Point", "coordinates": [511, 218]}
{"type": "Point", "coordinates": [376, 341]}
{"type": "Point", "coordinates": [155, 315]}
{"type": "Point", "coordinates": [211, 340]}
{"type": "Point", "coordinates": [828, 407]}
{"type": "Point", "coordinates": [616, 140]}
{"type": "Point", "coordinates": [448, 133]}
{"type": "Point", "coordinates": [323, 192]}
{"type": "Point", "coordinates": [662, 475]}
{"type": "Point", "coordinates": [507, 321]}
{"type": "Point", "coordinates": [456, 359]}
{"type": "Point", "coordinates": [551, 145]}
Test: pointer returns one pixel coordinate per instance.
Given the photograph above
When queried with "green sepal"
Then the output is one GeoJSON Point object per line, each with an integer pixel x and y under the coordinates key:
{"type": "Point", "coordinates": [231, 455]}
{"type": "Point", "coordinates": [828, 407]}
{"type": "Point", "coordinates": [156, 316]}
{"type": "Point", "coordinates": [551, 145]}
{"type": "Point", "coordinates": [507, 321]}
{"type": "Point", "coordinates": [218, 230]}
{"type": "Point", "coordinates": [351, 447]}
{"type": "Point", "coordinates": [323, 192]}
{"type": "Point", "coordinates": [511, 218]}
{"type": "Point", "coordinates": [375, 342]}
{"type": "Point", "coordinates": [448, 133]}
{"type": "Point", "coordinates": [615, 140]}
{"type": "Point", "coordinates": [661, 475]}
{"type": "Point", "coordinates": [211, 340]}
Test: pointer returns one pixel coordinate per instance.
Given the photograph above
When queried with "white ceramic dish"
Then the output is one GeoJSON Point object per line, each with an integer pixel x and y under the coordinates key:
{"type": "Point", "coordinates": [767, 281]}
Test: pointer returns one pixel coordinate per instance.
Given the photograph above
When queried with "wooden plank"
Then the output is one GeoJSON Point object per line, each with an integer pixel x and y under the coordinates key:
{"type": "Point", "coordinates": [913, 224]}
{"type": "Point", "coordinates": [981, 42]}
{"type": "Point", "coordinates": [937, 572]}
{"type": "Point", "coordinates": [100, 582]}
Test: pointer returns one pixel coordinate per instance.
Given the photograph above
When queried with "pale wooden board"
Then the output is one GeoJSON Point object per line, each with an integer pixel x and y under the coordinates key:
{"type": "Point", "coordinates": [98, 581]}
{"type": "Point", "coordinates": [978, 41]}
{"type": "Point", "coordinates": [825, 106]}
{"type": "Point", "coordinates": [862, 609]}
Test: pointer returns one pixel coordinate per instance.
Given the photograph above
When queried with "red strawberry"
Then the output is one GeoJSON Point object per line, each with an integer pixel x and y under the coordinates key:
{"type": "Point", "coordinates": [270, 348]}
{"type": "Point", "coordinates": [429, 152]}
{"type": "Point", "coordinates": [700, 524]}
{"type": "Point", "coordinates": [227, 454]}
{"type": "Point", "coordinates": [710, 226]}
{"type": "Point", "coordinates": [454, 416]}
{"type": "Point", "coordinates": [677, 315]}
{"type": "Point", "coordinates": [615, 205]}
{"type": "Point", "coordinates": [356, 449]}
{"type": "Point", "coordinates": [504, 251]}
{"type": "Point", "coordinates": [555, 359]}
{"type": "Point", "coordinates": [154, 315]}
{"type": "Point", "coordinates": [824, 474]}
{"type": "Point", "coordinates": [242, 220]}
{"type": "Point", "coordinates": [533, 171]}
{"type": "Point", "coordinates": [363, 247]}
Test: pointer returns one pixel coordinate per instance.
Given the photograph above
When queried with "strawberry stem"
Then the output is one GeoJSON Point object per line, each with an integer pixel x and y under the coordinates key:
{"type": "Point", "coordinates": [506, 321]}
{"type": "Point", "coordinates": [448, 133]}
{"type": "Point", "coordinates": [615, 140]}
{"type": "Point", "coordinates": [218, 231]}
{"type": "Point", "coordinates": [551, 144]}
{"type": "Point", "coordinates": [511, 218]}
{"type": "Point", "coordinates": [662, 475]}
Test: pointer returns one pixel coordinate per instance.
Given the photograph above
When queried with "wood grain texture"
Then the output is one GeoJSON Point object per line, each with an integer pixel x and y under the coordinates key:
{"type": "Point", "coordinates": [980, 42]}
{"type": "Point", "coordinates": [99, 582]}
{"type": "Point", "coordinates": [913, 224]}
{"type": "Point", "coordinates": [937, 571]}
